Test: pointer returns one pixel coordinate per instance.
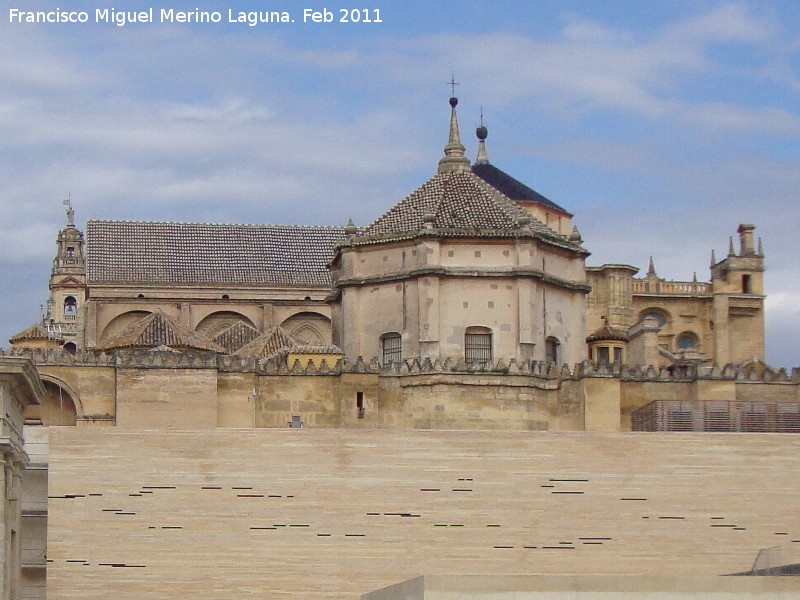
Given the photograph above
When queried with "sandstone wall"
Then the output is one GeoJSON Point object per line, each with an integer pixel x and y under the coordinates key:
{"type": "Point", "coordinates": [332, 513]}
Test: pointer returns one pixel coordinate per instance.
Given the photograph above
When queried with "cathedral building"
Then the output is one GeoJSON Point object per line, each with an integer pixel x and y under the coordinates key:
{"type": "Point", "coordinates": [473, 265]}
{"type": "Point", "coordinates": [472, 272]}
{"type": "Point", "coordinates": [417, 353]}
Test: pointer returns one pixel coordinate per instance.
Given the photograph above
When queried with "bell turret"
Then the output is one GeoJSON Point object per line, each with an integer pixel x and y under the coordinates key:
{"type": "Point", "coordinates": [67, 283]}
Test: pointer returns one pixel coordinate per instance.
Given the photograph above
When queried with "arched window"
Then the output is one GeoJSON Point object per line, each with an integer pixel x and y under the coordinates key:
{"type": "Point", "coordinates": [658, 316]}
{"type": "Point", "coordinates": [478, 344]}
{"type": "Point", "coordinates": [70, 305]}
{"type": "Point", "coordinates": [687, 340]}
{"type": "Point", "coordinates": [71, 348]}
{"type": "Point", "coordinates": [391, 348]}
{"type": "Point", "coordinates": [552, 350]}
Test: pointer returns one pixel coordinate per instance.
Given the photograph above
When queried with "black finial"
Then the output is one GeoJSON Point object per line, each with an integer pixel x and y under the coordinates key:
{"type": "Point", "coordinates": [481, 130]}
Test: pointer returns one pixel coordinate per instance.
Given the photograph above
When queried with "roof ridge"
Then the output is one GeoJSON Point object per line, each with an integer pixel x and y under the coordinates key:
{"type": "Point", "coordinates": [254, 225]}
{"type": "Point", "coordinates": [498, 178]}
{"type": "Point", "coordinates": [136, 334]}
{"type": "Point", "coordinates": [512, 209]}
{"type": "Point", "coordinates": [397, 207]}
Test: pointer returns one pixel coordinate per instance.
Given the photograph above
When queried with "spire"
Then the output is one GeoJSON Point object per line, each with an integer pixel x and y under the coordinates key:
{"type": "Point", "coordinates": [454, 160]}
{"type": "Point", "coordinates": [651, 269]}
{"type": "Point", "coordinates": [482, 132]}
{"type": "Point", "coordinates": [731, 251]}
{"type": "Point", "coordinates": [69, 256]}
{"type": "Point", "coordinates": [575, 236]}
{"type": "Point", "coordinates": [760, 249]}
{"type": "Point", "coordinates": [713, 258]}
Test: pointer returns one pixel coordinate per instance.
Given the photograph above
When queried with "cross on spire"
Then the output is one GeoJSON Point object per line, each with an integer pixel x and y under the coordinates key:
{"type": "Point", "coordinates": [453, 83]}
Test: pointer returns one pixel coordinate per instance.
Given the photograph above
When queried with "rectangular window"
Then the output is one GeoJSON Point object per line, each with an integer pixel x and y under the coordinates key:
{"type": "Point", "coordinates": [602, 354]}
{"type": "Point", "coordinates": [551, 351]}
{"type": "Point", "coordinates": [478, 347]}
{"type": "Point", "coordinates": [360, 404]}
{"type": "Point", "coordinates": [392, 351]}
{"type": "Point", "coordinates": [618, 355]}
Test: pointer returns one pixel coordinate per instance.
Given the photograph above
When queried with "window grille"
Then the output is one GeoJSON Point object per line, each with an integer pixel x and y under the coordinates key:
{"type": "Point", "coordinates": [477, 347]}
{"type": "Point", "coordinates": [391, 348]}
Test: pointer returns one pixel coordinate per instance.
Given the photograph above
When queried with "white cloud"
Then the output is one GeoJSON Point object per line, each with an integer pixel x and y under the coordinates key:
{"type": "Point", "coordinates": [729, 22]}
{"type": "Point", "coordinates": [175, 123]}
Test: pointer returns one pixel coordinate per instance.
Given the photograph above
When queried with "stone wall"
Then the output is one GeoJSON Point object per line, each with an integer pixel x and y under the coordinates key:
{"type": "Point", "coordinates": [587, 587]}
{"type": "Point", "coordinates": [178, 389]}
{"type": "Point", "coordinates": [334, 513]}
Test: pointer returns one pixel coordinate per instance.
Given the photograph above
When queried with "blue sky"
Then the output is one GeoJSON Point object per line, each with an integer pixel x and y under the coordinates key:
{"type": "Point", "coordinates": [661, 127]}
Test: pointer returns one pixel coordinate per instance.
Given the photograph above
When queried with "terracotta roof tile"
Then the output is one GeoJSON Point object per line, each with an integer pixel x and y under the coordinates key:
{"type": "Point", "coordinates": [607, 332]}
{"type": "Point", "coordinates": [235, 336]}
{"type": "Point", "coordinates": [268, 344]}
{"type": "Point", "coordinates": [457, 201]}
{"type": "Point", "coordinates": [159, 329]}
{"type": "Point", "coordinates": [209, 253]}
{"type": "Point", "coordinates": [36, 331]}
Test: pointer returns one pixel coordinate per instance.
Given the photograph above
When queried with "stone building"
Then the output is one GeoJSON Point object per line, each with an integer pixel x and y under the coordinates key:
{"type": "Point", "coordinates": [720, 321]}
{"type": "Point", "coordinates": [465, 306]}
{"type": "Point", "coordinates": [473, 265]}
{"type": "Point", "coordinates": [20, 388]}
{"type": "Point", "coordinates": [459, 270]}
{"type": "Point", "coordinates": [473, 272]}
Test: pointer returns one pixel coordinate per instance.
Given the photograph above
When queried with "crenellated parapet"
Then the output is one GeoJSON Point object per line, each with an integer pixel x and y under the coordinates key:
{"type": "Point", "coordinates": [61, 357]}
{"type": "Point", "coordinates": [541, 369]}
{"type": "Point", "coordinates": [170, 359]}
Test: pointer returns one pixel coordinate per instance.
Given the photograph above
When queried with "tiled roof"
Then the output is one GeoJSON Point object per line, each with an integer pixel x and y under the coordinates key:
{"type": "Point", "coordinates": [516, 190]}
{"type": "Point", "coordinates": [36, 331]}
{"type": "Point", "coordinates": [269, 343]}
{"type": "Point", "coordinates": [235, 336]}
{"type": "Point", "coordinates": [209, 253]}
{"type": "Point", "coordinates": [159, 329]}
{"type": "Point", "coordinates": [607, 332]}
{"type": "Point", "coordinates": [457, 201]}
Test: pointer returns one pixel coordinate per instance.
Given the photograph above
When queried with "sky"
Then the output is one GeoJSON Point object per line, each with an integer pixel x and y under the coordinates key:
{"type": "Point", "coordinates": [661, 126]}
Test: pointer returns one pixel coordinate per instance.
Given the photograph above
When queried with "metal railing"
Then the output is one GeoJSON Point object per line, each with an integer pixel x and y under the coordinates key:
{"type": "Point", "coordinates": [718, 416]}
